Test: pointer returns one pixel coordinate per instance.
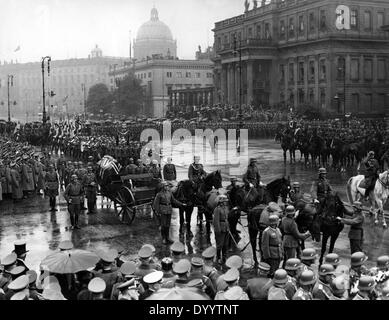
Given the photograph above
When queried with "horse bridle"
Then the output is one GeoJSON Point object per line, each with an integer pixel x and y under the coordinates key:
{"type": "Point", "coordinates": [385, 185]}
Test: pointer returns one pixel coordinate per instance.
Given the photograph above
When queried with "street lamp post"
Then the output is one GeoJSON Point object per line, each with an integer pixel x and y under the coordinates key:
{"type": "Point", "coordinates": [44, 118]}
{"type": "Point", "coordinates": [10, 83]}
{"type": "Point", "coordinates": [343, 70]}
{"type": "Point", "coordinates": [83, 88]}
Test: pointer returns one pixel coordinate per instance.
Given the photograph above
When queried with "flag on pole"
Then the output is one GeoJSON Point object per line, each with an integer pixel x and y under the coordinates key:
{"type": "Point", "coordinates": [17, 49]}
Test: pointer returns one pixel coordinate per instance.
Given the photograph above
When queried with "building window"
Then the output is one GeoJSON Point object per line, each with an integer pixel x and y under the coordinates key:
{"type": "Point", "coordinates": [282, 29]}
{"type": "Point", "coordinates": [225, 39]}
{"type": "Point", "coordinates": [291, 27]}
{"type": "Point", "coordinates": [169, 74]}
{"type": "Point", "coordinates": [311, 96]}
{"type": "Point", "coordinates": [368, 69]}
{"type": "Point", "coordinates": [291, 99]}
{"type": "Point", "coordinates": [354, 19]}
{"type": "Point", "coordinates": [291, 72]}
{"type": "Point", "coordinates": [209, 75]}
{"type": "Point", "coordinates": [381, 69]}
{"type": "Point", "coordinates": [381, 103]}
{"type": "Point", "coordinates": [179, 74]}
{"type": "Point", "coordinates": [355, 102]}
{"type": "Point", "coordinates": [312, 70]}
{"type": "Point", "coordinates": [367, 20]}
{"type": "Point", "coordinates": [259, 34]}
{"type": "Point", "coordinates": [250, 33]}
{"type": "Point", "coordinates": [369, 102]}
{"type": "Point", "coordinates": [380, 20]}
{"type": "Point", "coordinates": [311, 22]}
{"type": "Point", "coordinates": [354, 69]}
{"type": "Point", "coordinates": [301, 71]}
{"type": "Point", "coordinates": [301, 96]}
{"type": "Point", "coordinates": [149, 74]}
{"type": "Point", "coordinates": [282, 73]}
{"type": "Point", "coordinates": [301, 25]}
{"type": "Point", "coordinates": [198, 75]}
{"type": "Point", "coordinates": [267, 31]}
{"type": "Point", "coordinates": [323, 20]}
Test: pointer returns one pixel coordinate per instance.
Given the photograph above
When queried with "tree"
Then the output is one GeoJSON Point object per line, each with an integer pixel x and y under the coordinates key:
{"type": "Point", "coordinates": [128, 96]}
{"type": "Point", "coordinates": [99, 98]}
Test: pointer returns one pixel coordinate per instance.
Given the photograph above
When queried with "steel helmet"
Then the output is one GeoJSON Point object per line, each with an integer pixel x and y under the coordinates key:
{"type": "Point", "coordinates": [280, 276]}
{"type": "Point", "coordinates": [358, 258]}
{"type": "Point", "coordinates": [322, 171]}
{"type": "Point", "coordinates": [307, 277]}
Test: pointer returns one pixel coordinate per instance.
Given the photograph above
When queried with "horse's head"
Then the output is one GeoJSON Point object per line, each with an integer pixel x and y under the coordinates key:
{"type": "Point", "coordinates": [214, 180]}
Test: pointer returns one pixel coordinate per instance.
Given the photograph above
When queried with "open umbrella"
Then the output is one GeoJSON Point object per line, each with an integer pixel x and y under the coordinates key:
{"type": "Point", "coordinates": [69, 261]}
{"type": "Point", "coordinates": [179, 294]}
{"type": "Point", "coordinates": [226, 120]}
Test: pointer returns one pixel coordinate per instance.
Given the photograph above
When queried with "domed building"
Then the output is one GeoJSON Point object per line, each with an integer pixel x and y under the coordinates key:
{"type": "Point", "coordinates": [154, 38]}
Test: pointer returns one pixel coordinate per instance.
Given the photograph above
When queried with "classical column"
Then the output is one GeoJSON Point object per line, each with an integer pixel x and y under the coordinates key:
{"type": "Point", "coordinates": [231, 83]}
{"type": "Point", "coordinates": [224, 83]}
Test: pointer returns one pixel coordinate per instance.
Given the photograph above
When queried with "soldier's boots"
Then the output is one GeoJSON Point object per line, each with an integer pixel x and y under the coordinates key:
{"type": "Point", "coordinates": [188, 231]}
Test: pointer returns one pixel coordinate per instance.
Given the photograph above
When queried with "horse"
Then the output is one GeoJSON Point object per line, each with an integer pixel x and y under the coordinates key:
{"type": "Point", "coordinates": [197, 196]}
{"type": "Point", "coordinates": [185, 194]}
{"type": "Point", "coordinates": [377, 197]}
{"type": "Point", "coordinates": [332, 207]}
{"type": "Point", "coordinates": [288, 143]}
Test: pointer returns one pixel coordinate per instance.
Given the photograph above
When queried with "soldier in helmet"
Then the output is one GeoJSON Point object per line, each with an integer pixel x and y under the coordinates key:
{"type": "Point", "coordinates": [307, 281]}
{"type": "Point", "coordinates": [381, 273]}
{"type": "Point", "coordinates": [295, 193]}
{"type": "Point", "coordinates": [372, 168]}
{"type": "Point", "coordinates": [366, 287]}
{"type": "Point", "coordinates": [278, 290]}
{"type": "Point", "coordinates": [292, 266]}
{"type": "Point", "coordinates": [357, 269]}
{"type": "Point", "coordinates": [322, 289]}
{"type": "Point", "coordinates": [155, 171]}
{"type": "Point", "coordinates": [322, 187]}
{"type": "Point", "coordinates": [272, 251]}
{"type": "Point", "coordinates": [52, 185]}
{"type": "Point", "coordinates": [356, 227]}
{"type": "Point", "coordinates": [90, 187]}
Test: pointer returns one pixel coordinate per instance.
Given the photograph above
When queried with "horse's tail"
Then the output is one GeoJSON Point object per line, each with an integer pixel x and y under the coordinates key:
{"type": "Point", "coordinates": [348, 190]}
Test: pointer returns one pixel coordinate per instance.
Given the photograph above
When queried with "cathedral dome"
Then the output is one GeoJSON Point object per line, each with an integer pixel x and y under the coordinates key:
{"type": "Point", "coordinates": [154, 29]}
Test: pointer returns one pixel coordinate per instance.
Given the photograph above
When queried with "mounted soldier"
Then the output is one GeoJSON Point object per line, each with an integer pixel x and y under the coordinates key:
{"type": "Point", "coordinates": [321, 187]}
{"type": "Point", "coordinates": [252, 177]}
{"type": "Point", "coordinates": [196, 172]}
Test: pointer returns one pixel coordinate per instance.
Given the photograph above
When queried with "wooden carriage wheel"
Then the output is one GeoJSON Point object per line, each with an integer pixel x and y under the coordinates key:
{"type": "Point", "coordinates": [126, 201]}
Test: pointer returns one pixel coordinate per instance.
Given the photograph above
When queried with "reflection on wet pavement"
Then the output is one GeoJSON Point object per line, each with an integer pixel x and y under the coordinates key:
{"type": "Point", "coordinates": [31, 220]}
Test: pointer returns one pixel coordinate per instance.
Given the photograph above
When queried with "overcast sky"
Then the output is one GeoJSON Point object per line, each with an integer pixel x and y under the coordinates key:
{"type": "Point", "coordinates": [71, 28]}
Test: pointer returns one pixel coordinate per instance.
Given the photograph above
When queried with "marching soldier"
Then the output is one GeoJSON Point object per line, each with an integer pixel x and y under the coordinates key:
{"type": "Point", "coordinates": [221, 228]}
{"type": "Point", "coordinates": [272, 251]}
{"type": "Point", "coordinates": [163, 207]}
{"type": "Point", "coordinates": [252, 178]}
{"type": "Point", "coordinates": [322, 289]}
{"type": "Point", "coordinates": [61, 165]}
{"type": "Point", "coordinates": [90, 187]}
{"type": "Point", "coordinates": [356, 230]}
{"type": "Point", "coordinates": [307, 281]}
{"type": "Point", "coordinates": [16, 178]}
{"type": "Point", "coordinates": [74, 192]}
{"type": "Point", "coordinates": [278, 290]}
{"type": "Point", "coordinates": [28, 182]}
{"type": "Point", "coordinates": [169, 171]}
{"type": "Point", "coordinates": [52, 185]}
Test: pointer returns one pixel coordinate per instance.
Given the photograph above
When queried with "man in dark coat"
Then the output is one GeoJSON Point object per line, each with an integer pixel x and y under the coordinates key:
{"type": "Point", "coordinates": [169, 171]}
{"type": "Point", "coordinates": [74, 192]}
{"type": "Point", "coordinates": [52, 185]}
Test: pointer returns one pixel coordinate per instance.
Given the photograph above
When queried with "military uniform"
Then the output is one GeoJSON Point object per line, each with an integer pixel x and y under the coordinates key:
{"type": "Point", "coordinates": [323, 188]}
{"type": "Point", "coordinates": [291, 237]}
{"type": "Point", "coordinates": [322, 291]}
{"type": "Point", "coordinates": [16, 178]}
{"type": "Point", "coordinates": [276, 293]}
{"type": "Point", "coordinates": [155, 172]}
{"type": "Point", "coordinates": [291, 287]}
{"type": "Point", "coordinates": [90, 187]}
{"type": "Point", "coordinates": [163, 207]}
{"type": "Point", "coordinates": [356, 231]}
{"type": "Point", "coordinates": [73, 194]}
{"type": "Point", "coordinates": [272, 251]}
{"type": "Point", "coordinates": [302, 294]}
{"type": "Point", "coordinates": [221, 228]}
{"type": "Point", "coordinates": [355, 275]}
{"type": "Point", "coordinates": [252, 176]}
{"type": "Point", "coordinates": [196, 172]}
{"type": "Point", "coordinates": [258, 288]}
{"type": "Point", "coordinates": [52, 185]}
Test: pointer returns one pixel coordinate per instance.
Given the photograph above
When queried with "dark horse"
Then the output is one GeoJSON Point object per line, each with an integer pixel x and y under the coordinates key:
{"type": "Point", "coordinates": [196, 196]}
{"type": "Point", "coordinates": [288, 143]}
{"type": "Point", "coordinates": [332, 207]}
{"type": "Point", "coordinates": [253, 202]}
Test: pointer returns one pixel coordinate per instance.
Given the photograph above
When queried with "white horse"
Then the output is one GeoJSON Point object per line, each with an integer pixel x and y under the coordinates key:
{"type": "Point", "coordinates": [377, 197]}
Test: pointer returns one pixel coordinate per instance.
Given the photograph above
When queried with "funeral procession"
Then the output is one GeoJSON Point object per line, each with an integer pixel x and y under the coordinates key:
{"type": "Point", "coordinates": [242, 154]}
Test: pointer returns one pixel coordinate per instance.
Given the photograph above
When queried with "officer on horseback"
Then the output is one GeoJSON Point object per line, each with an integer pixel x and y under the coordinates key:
{"type": "Point", "coordinates": [252, 177]}
{"type": "Point", "coordinates": [196, 171]}
{"type": "Point", "coordinates": [372, 167]}
{"type": "Point", "coordinates": [295, 193]}
{"type": "Point", "coordinates": [322, 187]}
